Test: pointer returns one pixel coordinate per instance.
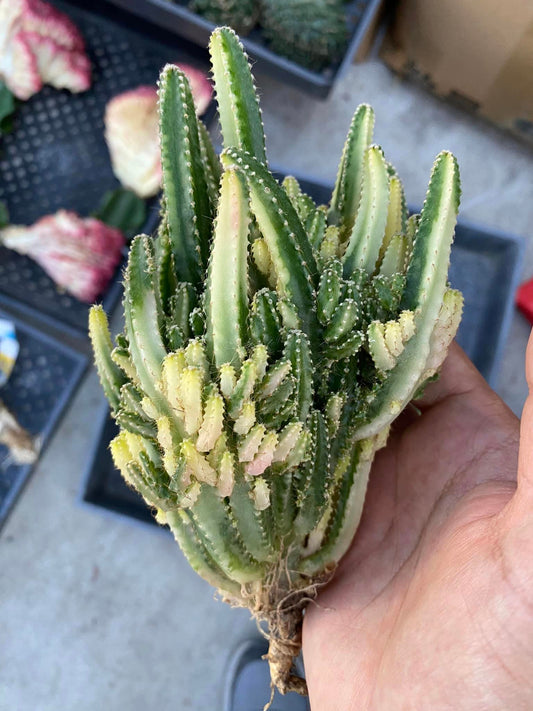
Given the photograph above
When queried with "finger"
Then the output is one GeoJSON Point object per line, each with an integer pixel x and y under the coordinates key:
{"type": "Point", "coordinates": [525, 455]}
{"type": "Point", "coordinates": [458, 376]}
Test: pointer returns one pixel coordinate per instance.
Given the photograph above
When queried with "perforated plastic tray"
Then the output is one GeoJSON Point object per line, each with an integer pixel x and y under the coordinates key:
{"type": "Point", "coordinates": [44, 378]}
{"type": "Point", "coordinates": [56, 156]}
{"type": "Point", "coordinates": [175, 16]}
{"type": "Point", "coordinates": [484, 266]}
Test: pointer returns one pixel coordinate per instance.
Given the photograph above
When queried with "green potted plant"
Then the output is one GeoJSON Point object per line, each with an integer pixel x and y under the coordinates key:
{"type": "Point", "coordinates": [269, 344]}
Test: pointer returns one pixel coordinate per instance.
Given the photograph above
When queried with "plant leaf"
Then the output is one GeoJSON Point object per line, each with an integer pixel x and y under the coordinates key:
{"type": "Point", "coordinates": [7, 108]}
{"type": "Point", "coordinates": [4, 214]}
{"type": "Point", "coordinates": [122, 209]}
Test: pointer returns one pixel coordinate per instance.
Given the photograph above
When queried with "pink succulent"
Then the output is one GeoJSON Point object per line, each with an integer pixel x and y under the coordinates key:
{"type": "Point", "coordinates": [40, 45]}
{"type": "Point", "coordinates": [132, 135]}
{"type": "Point", "coordinates": [80, 254]}
{"type": "Point", "coordinates": [132, 132]}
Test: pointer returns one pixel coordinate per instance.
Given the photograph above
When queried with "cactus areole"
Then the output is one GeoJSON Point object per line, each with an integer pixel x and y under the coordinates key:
{"type": "Point", "coordinates": [269, 344]}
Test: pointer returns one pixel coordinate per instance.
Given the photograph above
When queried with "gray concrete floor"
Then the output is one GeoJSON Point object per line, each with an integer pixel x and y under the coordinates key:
{"type": "Point", "coordinates": [98, 613]}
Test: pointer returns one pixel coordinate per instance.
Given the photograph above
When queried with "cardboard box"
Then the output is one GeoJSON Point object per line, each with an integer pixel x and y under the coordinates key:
{"type": "Point", "coordinates": [477, 54]}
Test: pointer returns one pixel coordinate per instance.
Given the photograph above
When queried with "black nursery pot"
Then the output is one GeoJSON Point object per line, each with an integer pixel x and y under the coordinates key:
{"type": "Point", "coordinates": [175, 17]}
{"type": "Point", "coordinates": [56, 156]}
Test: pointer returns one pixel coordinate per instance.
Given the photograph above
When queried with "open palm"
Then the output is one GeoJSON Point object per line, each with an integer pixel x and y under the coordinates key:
{"type": "Point", "coordinates": [432, 607]}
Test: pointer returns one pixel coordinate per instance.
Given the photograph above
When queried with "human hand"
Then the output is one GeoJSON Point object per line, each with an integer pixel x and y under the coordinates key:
{"type": "Point", "coordinates": [432, 607]}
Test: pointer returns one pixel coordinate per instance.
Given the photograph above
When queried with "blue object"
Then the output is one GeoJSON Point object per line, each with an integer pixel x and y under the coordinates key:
{"type": "Point", "coordinates": [248, 682]}
{"type": "Point", "coordinates": [44, 378]}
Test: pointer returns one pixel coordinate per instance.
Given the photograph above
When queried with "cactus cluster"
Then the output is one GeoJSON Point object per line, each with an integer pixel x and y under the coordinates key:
{"type": "Point", "coordinates": [312, 33]}
{"type": "Point", "coordinates": [309, 32]}
{"type": "Point", "coordinates": [269, 343]}
{"type": "Point", "coordinates": [241, 15]}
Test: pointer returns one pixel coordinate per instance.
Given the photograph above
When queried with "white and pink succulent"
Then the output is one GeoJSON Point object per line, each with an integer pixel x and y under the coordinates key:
{"type": "Point", "coordinates": [132, 132]}
{"type": "Point", "coordinates": [132, 135]}
{"type": "Point", "coordinates": [40, 45]}
{"type": "Point", "coordinates": [80, 254]}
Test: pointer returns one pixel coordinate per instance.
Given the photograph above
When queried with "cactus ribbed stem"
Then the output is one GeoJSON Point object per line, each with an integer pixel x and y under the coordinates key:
{"type": "Point", "coordinates": [269, 343]}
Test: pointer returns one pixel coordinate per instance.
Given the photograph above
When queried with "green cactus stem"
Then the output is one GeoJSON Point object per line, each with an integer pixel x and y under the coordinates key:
{"type": "Point", "coordinates": [269, 344]}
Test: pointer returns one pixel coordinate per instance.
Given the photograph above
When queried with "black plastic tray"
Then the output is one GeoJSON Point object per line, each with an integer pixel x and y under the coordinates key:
{"type": "Point", "coordinates": [175, 17]}
{"type": "Point", "coordinates": [485, 266]}
{"type": "Point", "coordinates": [56, 157]}
{"type": "Point", "coordinates": [43, 380]}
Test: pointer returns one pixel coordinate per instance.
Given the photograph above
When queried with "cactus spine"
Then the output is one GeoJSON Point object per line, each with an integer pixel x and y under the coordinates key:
{"type": "Point", "coordinates": [269, 343]}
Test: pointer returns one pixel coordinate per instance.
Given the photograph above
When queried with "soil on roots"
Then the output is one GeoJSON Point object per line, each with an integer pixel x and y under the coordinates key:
{"type": "Point", "coordinates": [279, 612]}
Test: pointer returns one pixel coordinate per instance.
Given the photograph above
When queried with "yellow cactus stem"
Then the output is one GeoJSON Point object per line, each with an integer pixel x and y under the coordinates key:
{"type": "Point", "coordinates": [274, 379]}
{"type": "Point", "coordinates": [381, 354]}
{"type": "Point", "coordinates": [165, 439]}
{"type": "Point", "coordinates": [149, 407]}
{"type": "Point", "coordinates": [212, 423]}
{"type": "Point", "coordinates": [261, 494]}
{"type": "Point", "coordinates": [249, 445]}
{"type": "Point", "coordinates": [196, 466]}
{"type": "Point", "coordinates": [226, 474]}
{"type": "Point", "coordinates": [407, 324]}
{"type": "Point", "coordinates": [300, 452]}
{"type": "Point", "coordinates": [264, 456]}
{"type": "Point", "coordinates": [121, 453]}
{"type": "Point", "coordinates": [260, 358]}
{"type": "Point", "coordinates": [393, 338]}
{"type": "Point", "coordinates": [195, 356]}
{"type": "Point", "coordinates": [135, 445]}
{"type": "Point", "coordinates": [190, 386]}
{"type": "Point", "coordinates": [330, 247]}
{"type": "Point", "coordinates": [287, 441]}
{"type": "Point", "coordinates": [173, 366]}
{"type": "Point", "coordinates": [227, 379]}
{"type": "Point", "coordinates": [192, 492]}
{"type": "Point", "coordinates": [246, 419]}
{"type": "Point", "coordinates": [395, 212]}
{"type": "Point", "coordinates": [261, 255]}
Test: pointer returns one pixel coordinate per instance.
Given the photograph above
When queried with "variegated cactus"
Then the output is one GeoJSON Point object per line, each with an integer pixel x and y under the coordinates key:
{"type": "Point", "coordinates": [269, 343]}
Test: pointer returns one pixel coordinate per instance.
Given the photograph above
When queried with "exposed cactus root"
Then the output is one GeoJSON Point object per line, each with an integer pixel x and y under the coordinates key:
{"type": "Point", "coordinates": [285, 643]}
{"type": "Point", "coordinates": [283, 614]}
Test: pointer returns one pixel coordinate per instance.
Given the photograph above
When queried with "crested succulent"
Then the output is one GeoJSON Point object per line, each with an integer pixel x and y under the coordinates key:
{"type": "Point", "coordinates": [313, 33]}
{"type": "Point", "coordinates": [269, 344]}
{"type": "Point", "coordinates": [80, 254]}
{"type": "Point", "coordinates": [132, 138]}
{"type": "Point", "coordinates": [40, 45]}
{"type": "Point", "coordinates": [131, 131]}
{"type": "Point", "coordinates": [241, 15]}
